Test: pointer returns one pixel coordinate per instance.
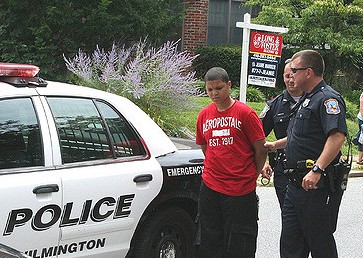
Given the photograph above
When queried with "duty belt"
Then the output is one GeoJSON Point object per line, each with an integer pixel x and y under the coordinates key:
{"type": "Point", "coordinates": [295, 175]}
{"type": "Point", "coordinates": [335, 175]}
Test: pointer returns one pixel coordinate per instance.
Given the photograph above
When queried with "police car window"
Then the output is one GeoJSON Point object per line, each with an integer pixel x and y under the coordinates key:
{"type": "Point", "coordinates": [20, 140]}
{"type": "Point", "coordinates": [124, 139]}
{"type": "Point", "coordinates": [85, 136]}
{"type": "Point", "coordinates": [82, 134]}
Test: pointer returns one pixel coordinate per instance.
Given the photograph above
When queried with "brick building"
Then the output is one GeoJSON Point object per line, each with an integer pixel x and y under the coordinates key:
{"type": "Point", "coordinates": [213, 22]}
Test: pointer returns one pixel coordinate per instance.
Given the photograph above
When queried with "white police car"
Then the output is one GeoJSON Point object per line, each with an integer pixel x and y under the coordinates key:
{"type": "Point", "coordinates": [8, 252]}
{"type": "Point", "coordinates": [87, 173]}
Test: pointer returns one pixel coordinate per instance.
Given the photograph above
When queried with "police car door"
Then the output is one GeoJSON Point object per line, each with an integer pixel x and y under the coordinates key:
{"type": "Point", "coordinates": [107, 175]}
{"type": "Point", "coordinates": [30, 191]}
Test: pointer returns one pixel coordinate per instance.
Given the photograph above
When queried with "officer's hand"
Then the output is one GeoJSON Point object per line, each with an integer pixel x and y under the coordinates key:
{"type": "Point", "coordinates": [310, 181]}
{"type": "Point", "coordinates": [266, 171]}
{"type": "Point", "coordinates": [271, 146]}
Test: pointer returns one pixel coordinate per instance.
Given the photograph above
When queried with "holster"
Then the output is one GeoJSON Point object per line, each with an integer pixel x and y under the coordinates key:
{"type": "Point", "coordinates": [277, 158]}
{"type": "Point", "coordinates": [294, 176]}
{"type": "Point", "coordinates": [337, 176]}
{"type": "Point", "coordinates": [272, 159]}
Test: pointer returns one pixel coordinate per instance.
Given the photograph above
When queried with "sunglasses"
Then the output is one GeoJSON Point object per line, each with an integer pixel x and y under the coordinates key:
{"type": "Point", "coordinates": [295, 69]}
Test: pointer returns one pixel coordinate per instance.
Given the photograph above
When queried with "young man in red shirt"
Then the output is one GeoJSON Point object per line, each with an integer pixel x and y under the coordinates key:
{"type": "Point", "coordinates": [231, 136]}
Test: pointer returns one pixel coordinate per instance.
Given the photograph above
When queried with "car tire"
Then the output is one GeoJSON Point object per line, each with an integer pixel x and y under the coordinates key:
{"type": "Point", "coordinates": [168, 233]}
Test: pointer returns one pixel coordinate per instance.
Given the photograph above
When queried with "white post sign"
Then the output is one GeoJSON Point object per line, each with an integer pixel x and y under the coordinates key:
{"type": "Point", "coordinates": [259, 78]}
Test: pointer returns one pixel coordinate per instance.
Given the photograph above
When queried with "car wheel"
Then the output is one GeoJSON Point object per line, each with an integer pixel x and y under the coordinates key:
{"type": "Point", "coordinates": [167, 234]}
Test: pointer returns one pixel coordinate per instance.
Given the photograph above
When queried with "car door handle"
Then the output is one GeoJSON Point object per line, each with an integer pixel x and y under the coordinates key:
{"type": "Point", "coordinates": [46, 189]}
{"type": "Point", "coordinates": [143, 178]}
{"type": "Point", "coordinates": [196, 160]}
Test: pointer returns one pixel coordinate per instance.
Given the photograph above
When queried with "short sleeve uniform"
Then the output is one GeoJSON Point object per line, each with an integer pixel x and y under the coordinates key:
{"type": "Point", "coordinates": [276, 115]}
{"type": "Point", "coordinates": [321, 111]}
{"type": "Point", "coordinates": [229, 166]}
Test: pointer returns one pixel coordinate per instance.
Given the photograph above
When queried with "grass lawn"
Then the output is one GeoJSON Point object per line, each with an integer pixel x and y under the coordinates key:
{"type": "Point", "coordinates": [188, 119]}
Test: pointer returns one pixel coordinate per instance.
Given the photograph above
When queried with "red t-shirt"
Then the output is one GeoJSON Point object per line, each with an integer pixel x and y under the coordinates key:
{"type": "Point", "coordinates": [229, 166]}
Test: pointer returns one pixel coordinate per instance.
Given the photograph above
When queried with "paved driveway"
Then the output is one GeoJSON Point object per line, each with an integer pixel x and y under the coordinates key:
{"type": "Point", "coordinates": [349, 233]}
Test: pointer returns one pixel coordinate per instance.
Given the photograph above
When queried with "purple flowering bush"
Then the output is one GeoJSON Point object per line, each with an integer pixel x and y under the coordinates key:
{"type": "Point", "coordinates": [159, 80]}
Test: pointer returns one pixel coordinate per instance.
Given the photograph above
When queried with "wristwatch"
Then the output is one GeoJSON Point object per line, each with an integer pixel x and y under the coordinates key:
{"type": "Point", "coordinates": [317, 169]}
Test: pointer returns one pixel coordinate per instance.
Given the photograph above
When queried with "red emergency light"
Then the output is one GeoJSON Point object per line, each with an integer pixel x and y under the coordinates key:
{"type": "Point", "coordinates": [18, 70]}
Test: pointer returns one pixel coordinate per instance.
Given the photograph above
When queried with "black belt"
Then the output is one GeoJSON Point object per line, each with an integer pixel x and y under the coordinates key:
{"type": "Point", "coordinates": [335, 176]}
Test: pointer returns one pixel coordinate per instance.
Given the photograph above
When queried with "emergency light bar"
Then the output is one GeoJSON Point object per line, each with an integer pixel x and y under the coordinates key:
{"type": "Point", "coordinates": [21, 75]}
{"type": "Point", "coordinates": [18, 70]}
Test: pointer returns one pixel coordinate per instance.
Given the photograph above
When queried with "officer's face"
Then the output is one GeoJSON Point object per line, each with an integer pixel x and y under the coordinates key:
{"type": "Point", "coordinates": [288, 83]}
{"type": "Point", "coordinates": [218, 91]}
{"type": "Point", "coordinates": [298, 74]}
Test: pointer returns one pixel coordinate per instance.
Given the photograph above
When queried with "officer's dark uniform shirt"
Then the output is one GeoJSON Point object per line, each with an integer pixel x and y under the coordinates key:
{"type": "Point", "coordinates": [275, 115]}
{"type": "Point", "coordinates": [320, 111]}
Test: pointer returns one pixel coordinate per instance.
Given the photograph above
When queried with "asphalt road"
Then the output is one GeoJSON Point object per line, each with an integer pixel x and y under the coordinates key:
{"type": "Point", "coordinates": [349, 232]}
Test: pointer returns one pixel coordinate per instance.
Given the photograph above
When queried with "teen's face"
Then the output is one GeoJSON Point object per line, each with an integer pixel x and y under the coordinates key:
{"type": "Point", "coordinates": [218, 91]}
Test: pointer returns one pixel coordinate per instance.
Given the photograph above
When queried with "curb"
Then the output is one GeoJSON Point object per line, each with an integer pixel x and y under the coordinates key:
{"type": "Point", "coordinates": [356, 173]}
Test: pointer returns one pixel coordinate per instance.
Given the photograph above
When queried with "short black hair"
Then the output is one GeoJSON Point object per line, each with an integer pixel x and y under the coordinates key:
{"type": "Point", "coordinates": [312, 59]}
{"type": "Point", "coordinates": [216, 73]}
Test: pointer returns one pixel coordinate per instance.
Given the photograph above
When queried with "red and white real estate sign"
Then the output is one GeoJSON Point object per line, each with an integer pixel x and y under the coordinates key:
{"type": "Point", "coordinates": [264, 57]}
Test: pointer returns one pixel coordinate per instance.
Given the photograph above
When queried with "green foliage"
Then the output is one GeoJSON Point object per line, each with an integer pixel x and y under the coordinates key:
{"type": "Point", "coordinates": [41, 32]}
{"type": "Point", "coordinates": [352, 130]}
{"type": "Point", "coordinates": [352, 96]}
{"type": "Point", "coordinates": [352, 110]}
{"type": "Point", "coordinates": [227, 57]}
{"type": "Point", "coordinates": [253, 94]}
{"type": "Point", "coordinates": [333, 27]}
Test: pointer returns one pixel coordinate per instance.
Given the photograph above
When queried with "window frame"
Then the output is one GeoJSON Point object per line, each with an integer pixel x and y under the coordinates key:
{"type": "Point", "coordinates": [113, 159]}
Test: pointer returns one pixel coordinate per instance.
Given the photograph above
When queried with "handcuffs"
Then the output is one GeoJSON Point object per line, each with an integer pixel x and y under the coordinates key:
{"type": "Point", "coordinates": [265, 181]}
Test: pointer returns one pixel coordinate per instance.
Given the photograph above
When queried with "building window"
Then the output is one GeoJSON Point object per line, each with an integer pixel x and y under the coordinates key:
{"type": "Point", "coordinates": [222, 18]}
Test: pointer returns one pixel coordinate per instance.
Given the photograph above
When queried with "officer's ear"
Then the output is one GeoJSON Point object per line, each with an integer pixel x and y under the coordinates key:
{"type": "Point", "coordinates": [309, 72]}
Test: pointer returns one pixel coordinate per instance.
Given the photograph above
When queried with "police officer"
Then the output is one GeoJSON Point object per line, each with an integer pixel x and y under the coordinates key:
{"type": "Point", "coordinates": [276, 116]}
{"type": "Point", "coordinates": [317, 132]}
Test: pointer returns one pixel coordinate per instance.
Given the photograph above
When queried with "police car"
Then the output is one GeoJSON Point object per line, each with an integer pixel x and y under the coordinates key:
{"type": "Point", "coordinates": [85, 173]}
{"type": "Point", "coordinates": [8, 252]}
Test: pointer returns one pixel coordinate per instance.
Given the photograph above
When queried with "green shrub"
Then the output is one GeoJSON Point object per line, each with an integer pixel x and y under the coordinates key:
{"type": "Point", "coordinates": [253, 94]}
{"type": "Point", "coordinates": [227, 57]}
{"type": "Point", "coordinates": [352, 110]}
{"type": "Point", "coordinates": [352, 96]}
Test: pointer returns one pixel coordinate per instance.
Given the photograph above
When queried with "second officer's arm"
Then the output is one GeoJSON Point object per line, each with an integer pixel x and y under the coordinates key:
{"type": "Point", "coordinates": [278, 144]}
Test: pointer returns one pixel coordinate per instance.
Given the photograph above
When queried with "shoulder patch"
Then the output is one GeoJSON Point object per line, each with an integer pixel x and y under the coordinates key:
{"type": "Point", "coordinates": [332, 106]}
{"type": "Point", "coordinates": [264, 111]}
